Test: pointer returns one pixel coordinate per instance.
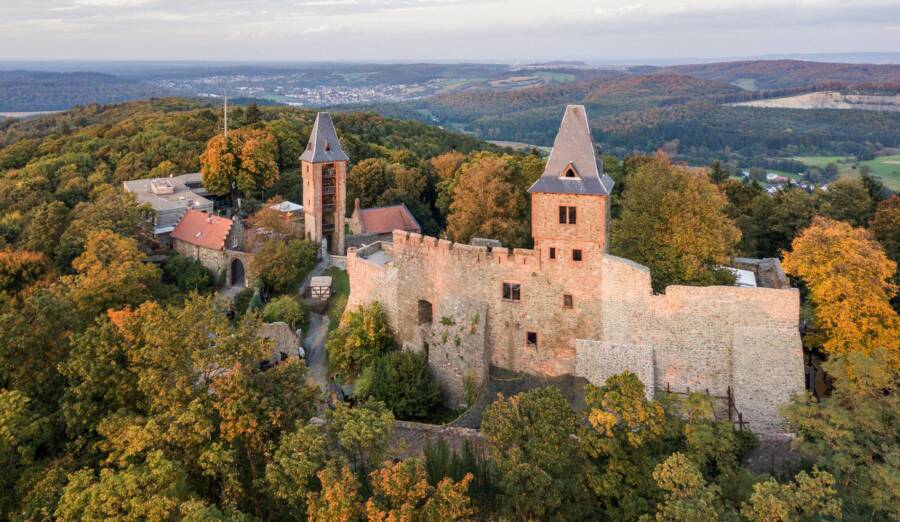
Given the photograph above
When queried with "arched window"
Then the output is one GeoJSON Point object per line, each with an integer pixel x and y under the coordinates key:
{"type": "Point", "coordinates": [569, 171]}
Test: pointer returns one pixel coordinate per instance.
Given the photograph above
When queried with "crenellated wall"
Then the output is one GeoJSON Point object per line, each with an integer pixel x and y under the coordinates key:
{"type": "Point", "coordinates": [697, 337]}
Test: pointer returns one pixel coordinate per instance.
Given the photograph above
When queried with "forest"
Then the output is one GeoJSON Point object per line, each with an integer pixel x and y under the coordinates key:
{"type": "Point", "coordinates": [128, 391]}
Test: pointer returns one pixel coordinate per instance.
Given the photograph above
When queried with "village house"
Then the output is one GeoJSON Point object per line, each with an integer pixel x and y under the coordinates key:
{"type": "Point", "coordinates": [569, 308]}
{"type": "Point", "coordinates": [170, 198]}
{"type": "Point", "coordinates": [216, 242]}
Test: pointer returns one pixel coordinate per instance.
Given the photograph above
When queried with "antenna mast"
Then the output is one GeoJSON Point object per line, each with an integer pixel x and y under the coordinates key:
{"type": "Point", "coordinates": [226, 115]}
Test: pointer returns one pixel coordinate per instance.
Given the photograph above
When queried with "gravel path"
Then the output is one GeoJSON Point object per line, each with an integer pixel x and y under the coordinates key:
{"type": "Point", "coordinates": [314, 344]}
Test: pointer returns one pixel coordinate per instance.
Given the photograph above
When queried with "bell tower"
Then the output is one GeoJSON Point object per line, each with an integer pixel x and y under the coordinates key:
{"type": "Point", "coordinates": [570, 201]}
{"type": "Point", "coordinates": [323, 166]}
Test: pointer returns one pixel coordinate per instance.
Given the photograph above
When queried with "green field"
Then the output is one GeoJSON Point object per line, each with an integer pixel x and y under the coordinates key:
{"type": "Point", "coordinates": [748, 84]}
{"type": "Point", "coordinates": [887, 168]}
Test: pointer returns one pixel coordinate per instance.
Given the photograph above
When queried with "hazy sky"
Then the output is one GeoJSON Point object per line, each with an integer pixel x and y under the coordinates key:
{"type": "Point", "coordinates": [510, 30]}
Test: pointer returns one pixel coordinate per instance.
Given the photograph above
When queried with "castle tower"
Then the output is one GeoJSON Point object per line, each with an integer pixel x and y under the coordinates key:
{"type": "Point", "coordinates": [570, 201]}
{"type": "Point", "coordinates": [323, 166]}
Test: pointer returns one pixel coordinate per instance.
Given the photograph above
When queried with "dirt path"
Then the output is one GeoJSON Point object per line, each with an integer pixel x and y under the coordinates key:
{"type": "Point", "coordinates": [314, 344]}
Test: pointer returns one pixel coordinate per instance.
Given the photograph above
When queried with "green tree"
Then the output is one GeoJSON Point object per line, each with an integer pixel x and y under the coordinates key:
{"type": "Point", "coordinates": [291, 473]}
{"type": "Point", "coordinates": [362, 433]}
{"type": "Point", "coordinates": [674, 222]}
{"type": "Point", "coordinates": [687, 495]}
{"type": "Point", "coordinates": [853, 432]}
{"type": "Point", "coordinates": [186, 273]}
{"type": "Point", "coordinates": [847, 199]}
{"type": "Point", "coordinates": [717, 173]}
{"type": "Point", "coordinates": [402, 381]}
{"type": "Point", "coordinates": [542, 470]}
{"type": "Point", "coordinates": [244, 163]}
{"type": "Point", "coordinates": [886, 226]}
{"type": "Point", "coordinates": [808, 498]}
{"type": "Point", "coordinates": [363, 336]}
{"type": "Point", "coordinates": [22, 433]}
{"type": "Point", "coordinates": [282, 265]}
{"type": "Point", "coordinates": [289, 310]}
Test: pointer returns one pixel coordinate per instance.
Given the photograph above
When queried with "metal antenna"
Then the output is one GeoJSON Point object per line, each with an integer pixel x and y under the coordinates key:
{"type": "Point", "coordinates": [226, 115]}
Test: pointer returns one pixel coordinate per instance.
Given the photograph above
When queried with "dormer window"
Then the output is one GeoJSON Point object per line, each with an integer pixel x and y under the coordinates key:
{"type": "Point", "coordinates": [570, 172]}
{"type": "Point", "coordinates": [327, 147]}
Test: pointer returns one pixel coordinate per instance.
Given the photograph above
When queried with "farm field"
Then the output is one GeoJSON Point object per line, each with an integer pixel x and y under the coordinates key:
{"type": "Point", "coordinates": [887, 168]}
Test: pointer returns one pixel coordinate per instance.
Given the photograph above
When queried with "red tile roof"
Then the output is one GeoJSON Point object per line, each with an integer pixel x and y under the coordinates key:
{"type": "Point", "coordinates": [383, 220]}
{"type": "Point", "coordinates": [202, 229]}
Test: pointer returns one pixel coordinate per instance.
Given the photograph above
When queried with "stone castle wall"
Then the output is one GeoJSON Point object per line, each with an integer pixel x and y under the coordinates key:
{"type": "Point", "coordinates": [689, 337]}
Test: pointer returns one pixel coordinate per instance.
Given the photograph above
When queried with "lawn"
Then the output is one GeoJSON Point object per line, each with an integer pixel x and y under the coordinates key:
{"type": "Point", "coordinates": [340, 284]}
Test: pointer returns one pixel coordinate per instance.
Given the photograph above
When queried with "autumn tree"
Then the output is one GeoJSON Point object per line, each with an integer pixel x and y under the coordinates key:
{"type": "Point", "coordinates": [22, 433]}
{"type": "Point", "coordinates": [673, 221]}
{"type": "Point", "coordinates": [19, 269]}
{"type": "Point", "coordinates": [487, 202]}
{"type": "Point", "coordinates": [850, 283]}
{"type": "Point", "coordinates": [401, 492]}
{"type": "Point", "coordinates": [243, 163]}
{"type": "Point", "coordinates": [809, 497]}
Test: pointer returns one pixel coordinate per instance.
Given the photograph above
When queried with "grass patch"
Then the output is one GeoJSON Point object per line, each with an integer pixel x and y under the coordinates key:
{"type": "Point", "coordinates": [748, 84]}
{"type": "Point", "coordinates": [887, 168]}
{"type": "Point", "coordinates": [340, 284]}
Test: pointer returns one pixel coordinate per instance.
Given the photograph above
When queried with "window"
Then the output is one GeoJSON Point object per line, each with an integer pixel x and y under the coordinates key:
{"type": "Point", "coordinates": [512, 292]}
{"type": "Point", "coordinates": [571, 215]}
{"type": "Point", "coordinates": [576, 255]}
{"type": "Point", "coordinates": [552, 253]}
{"type": "Point", "coordinates": [562, 216]}
{"type": "Point", "coordinates": [531, 339]}
{"type": "Point", "coordinates": [426, 312]}
{"type": "Point", "coordinates": [567, 301]}
{"type": "Point", "coordinates": [570, 173]}
{"type": "Point", "coordinates": [567, 215]}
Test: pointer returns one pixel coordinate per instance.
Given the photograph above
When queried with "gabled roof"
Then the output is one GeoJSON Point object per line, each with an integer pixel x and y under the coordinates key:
{"type": "Point", "coordinates": [203, 230]}
{"type": "Point", "coordinates": [574, 147]}
{"type": "Point", "coordinates": [384, 220]}
{"type": "Point", "coordinates": [323, 143]}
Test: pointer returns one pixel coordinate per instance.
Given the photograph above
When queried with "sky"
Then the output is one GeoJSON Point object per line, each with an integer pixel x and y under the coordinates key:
{"type": "Point", "coordinates": [445, 30]}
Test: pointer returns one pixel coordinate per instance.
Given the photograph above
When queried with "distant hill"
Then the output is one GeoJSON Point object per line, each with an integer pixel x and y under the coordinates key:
{"type": "Point", "coordinates": [25, 91]}
{"type": "Point", "coordinates": [781, 74]}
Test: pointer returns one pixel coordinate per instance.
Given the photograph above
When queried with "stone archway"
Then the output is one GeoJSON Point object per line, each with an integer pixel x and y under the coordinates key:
{"type": "Point", "coordinates": [238, 274]}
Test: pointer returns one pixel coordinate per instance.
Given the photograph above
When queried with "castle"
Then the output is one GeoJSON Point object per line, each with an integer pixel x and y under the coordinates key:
{"type": "Point", "coordinates": [566, 307]}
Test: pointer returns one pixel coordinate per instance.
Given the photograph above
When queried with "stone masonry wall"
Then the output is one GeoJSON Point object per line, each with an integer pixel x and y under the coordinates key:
{"type": "Point", "coordinates": [697, 337]}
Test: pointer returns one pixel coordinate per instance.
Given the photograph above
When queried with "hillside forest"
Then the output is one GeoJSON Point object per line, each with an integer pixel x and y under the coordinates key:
{"type": "Point", "coordinates": [129, 391]}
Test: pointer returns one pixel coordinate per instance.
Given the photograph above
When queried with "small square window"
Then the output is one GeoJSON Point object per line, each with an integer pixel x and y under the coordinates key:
{"type": "Point", "coordinates": [552, 253]}
{"type": "Point", "coordinates": [512, 292]}
{"type": "Point", "coordinates": [531, 339]}
{"type": "Point", "coordinates": [567, 301]}
{"type": "Point", "coordinates": [576, 255]}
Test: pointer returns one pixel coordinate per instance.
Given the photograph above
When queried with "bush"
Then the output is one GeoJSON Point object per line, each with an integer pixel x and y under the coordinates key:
{"type": "Point", "coordinates": [403, 382]}
{"type": "Point", "coordinates": [242, 300]}
{"type": "Point", "coordinates": [282, 265]}
{"type": "Point", "coordinates": [289, 310]}
{"type": "Point", "coordinates": [362, 338]}
{"type": "Point", "coordinates": [187, 273]}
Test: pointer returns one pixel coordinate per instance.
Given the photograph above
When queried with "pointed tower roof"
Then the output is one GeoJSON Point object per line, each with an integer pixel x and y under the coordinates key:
{"type": "Point", "coordinates": [323, 143]}
{"type": "Point", "coordinates": [573, 167]}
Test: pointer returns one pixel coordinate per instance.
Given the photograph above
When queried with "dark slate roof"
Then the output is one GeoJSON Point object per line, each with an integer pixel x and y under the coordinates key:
{"type": "Point", "coordinates": [323, 145]}
{"type": "Point", "coordinates": [574, 146]}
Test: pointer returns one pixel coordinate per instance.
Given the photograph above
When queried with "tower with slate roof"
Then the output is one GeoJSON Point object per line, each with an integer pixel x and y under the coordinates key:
{"type": "Point", "coordinates": [570, 201]}
{"type": "Point", "coordinates": [323, 166]}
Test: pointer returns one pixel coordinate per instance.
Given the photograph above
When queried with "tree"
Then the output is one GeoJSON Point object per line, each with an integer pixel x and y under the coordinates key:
{"type": "Point", "coordinates": [339, 500]}
{"type": "Point", "coordinates": [45, 227]}
{"type": "Point", "coordinates": [19, 269]}
{"type": "Point", "coordinates": [282, 265]}
{"type": "Point", "coordinates": [187, 273]}
{"type": "Point", "coordinates": [886, 226]}
{"type": "Point", "coordinates": [363, 336]}
{"type": "Point", "coordinates": [245, 162]}
{"type": "Point", "coordinates": [808, 498]}
{"type": "Point", "coordinates": [853, 431]}
{"type": "Point", "coordinates": [22, 433]}
{"type": "Point", "coordinates": [111, 210]}
{"type": "Point", "coordinates": [488, 203]}
{"type": "Point", "coordinates": [674, 222]}
{"type": "Point", "coordinates": [111, 272]}
{"type": "Point", "coordinates": [757, 174]}
{"type": "Point", "coordinates": [361, 432]}
{"type": "Point", "coordinates": [402, 381]}
{"type": "Point", "coordinates": [717, 173]}
{"type": "Point", "coordinates": [291, 474]}
{"type": "Point", "coordinates": [850, 283]}
{"type": "Point", "coordinates": [532, 441]}
{"type": "Point", "coordinates": [289, 310]}
{"type": "Point", "coordinates": [367, 181]}
{"type": "Point", "coordinates": [401, 492]}
{"type": "Point", "coordinates": [687, 495]}
{"type": "Point", "coordinates": [831, 171]}
{"type": "Point", "coordinates": [846, 199]}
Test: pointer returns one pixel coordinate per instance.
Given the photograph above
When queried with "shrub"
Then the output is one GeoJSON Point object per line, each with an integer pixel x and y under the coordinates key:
{"type": "Point", "coordinates": [242, 300]}
{"type": "Point", "coordinates": [288, 310]}
{"type": "Point", "coordinates": [403, 382]}
{"type": "Point", "coordinates": [282, 265]}
{"type": "Point", "coordinates": [363, 336]}
{"type": "Point", "coordinates": [187, 274]}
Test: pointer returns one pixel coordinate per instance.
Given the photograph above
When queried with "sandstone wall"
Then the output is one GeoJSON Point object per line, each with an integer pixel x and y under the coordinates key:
{"type": "Point", "coordinates": [690, 337]}
{"type": "Point", "coordinates": [214, 260]}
